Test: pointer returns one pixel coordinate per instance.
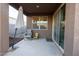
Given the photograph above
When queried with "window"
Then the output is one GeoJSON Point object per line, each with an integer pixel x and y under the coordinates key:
{"type": "Point", "coordinates": [40, 22]}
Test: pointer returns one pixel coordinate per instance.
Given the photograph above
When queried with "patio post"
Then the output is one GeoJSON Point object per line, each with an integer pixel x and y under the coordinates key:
{"type": "Point", "coordinates": [4, 28]}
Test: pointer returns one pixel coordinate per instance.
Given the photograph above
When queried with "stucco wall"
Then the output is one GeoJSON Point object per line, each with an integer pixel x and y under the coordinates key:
{"type": "Point", "coordinates": [71, 42]}
{"type": "Point", "coordinates": [76, 32]}
{"type": "Point", "coordinates": [69, 28]}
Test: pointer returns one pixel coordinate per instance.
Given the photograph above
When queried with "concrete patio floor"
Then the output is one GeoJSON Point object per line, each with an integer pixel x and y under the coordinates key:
{"type": "Point", "coordinates": [34, 48]}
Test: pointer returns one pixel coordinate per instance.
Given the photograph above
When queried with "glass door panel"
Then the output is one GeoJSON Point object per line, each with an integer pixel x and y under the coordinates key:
{"type": "Point", "coordinates": [59, 27]}
{"type": "Point", "coordinates": [62, 26]}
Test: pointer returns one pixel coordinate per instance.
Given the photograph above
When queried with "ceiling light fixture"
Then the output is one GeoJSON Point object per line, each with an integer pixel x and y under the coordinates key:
{"type": "Point", "coordinates": [37, 6]}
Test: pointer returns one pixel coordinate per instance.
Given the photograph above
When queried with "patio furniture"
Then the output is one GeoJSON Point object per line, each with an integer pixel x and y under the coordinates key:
{"type": "Point", "coordinates": [36, 36]}
{"type": "Point", "coordinates": [28, 34]}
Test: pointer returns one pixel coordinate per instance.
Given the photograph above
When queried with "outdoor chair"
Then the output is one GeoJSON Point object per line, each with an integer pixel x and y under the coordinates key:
{"type": "Point", "coordinates": [28, 34]}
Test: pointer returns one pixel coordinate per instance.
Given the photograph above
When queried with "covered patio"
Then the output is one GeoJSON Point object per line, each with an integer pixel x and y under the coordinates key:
{"type": "Point", "coordinates": [55, 23]}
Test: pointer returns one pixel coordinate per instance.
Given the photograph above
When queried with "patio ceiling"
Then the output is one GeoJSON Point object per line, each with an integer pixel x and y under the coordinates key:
{"type": "Point", "coordinates": [37, 8]}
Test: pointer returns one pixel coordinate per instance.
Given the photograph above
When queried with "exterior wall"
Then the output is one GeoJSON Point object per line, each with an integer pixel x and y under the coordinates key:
{"type": "Point", "coordinates": [29, 22]}
{"type": "Point", "coordinates": [4, 27]}
{"type": "Point", "coordinates": [69, 29]}
{"type": "Point", "coordinates": [42, 33]}
{"type": "Point", "coordinates": [71, 42]}
{"type": "Point", "coordinates": [76, 32]}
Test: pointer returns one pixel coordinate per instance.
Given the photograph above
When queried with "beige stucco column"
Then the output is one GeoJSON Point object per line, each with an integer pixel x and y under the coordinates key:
{"type": "Point", "coordinates": [4, 28]}
{"type": "Point", "coordinates": [71, 41]}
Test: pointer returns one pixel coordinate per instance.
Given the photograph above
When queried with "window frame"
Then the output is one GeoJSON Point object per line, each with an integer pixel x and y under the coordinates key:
{"type": "Point", "coordinates": [39, 20]}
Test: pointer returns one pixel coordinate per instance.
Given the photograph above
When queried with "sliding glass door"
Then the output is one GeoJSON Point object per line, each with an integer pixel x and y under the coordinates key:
{"type": "Point", "coordinates": [62, 26]}
{"type": "Point", "coordinates": [59, 27]}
